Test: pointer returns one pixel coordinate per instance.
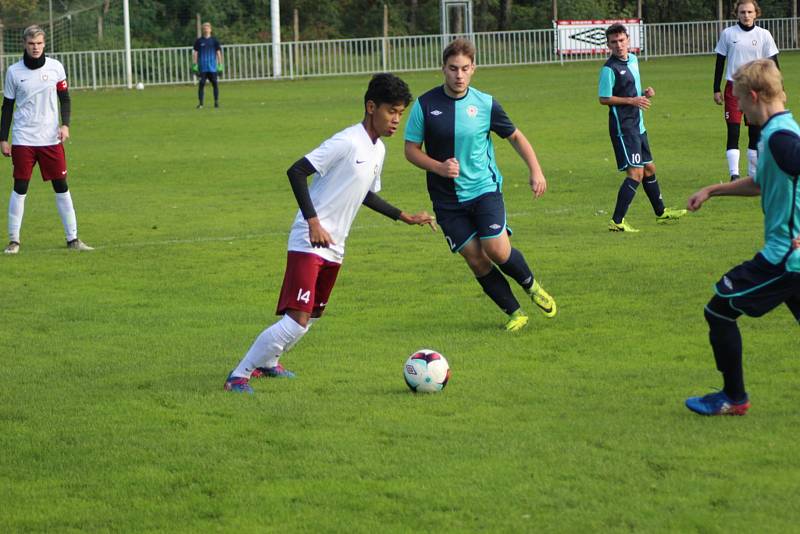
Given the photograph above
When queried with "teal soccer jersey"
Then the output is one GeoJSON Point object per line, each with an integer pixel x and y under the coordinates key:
{"type": "Point", "coordinates": [459, 128]}
{"type": "Point", "coordinates": [780, 195]}
{"type": "Point", "coordinates": [621, 78]}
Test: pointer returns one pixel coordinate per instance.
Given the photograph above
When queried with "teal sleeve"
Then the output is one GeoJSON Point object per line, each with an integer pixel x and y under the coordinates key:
{"type": "Point", "coordinates": [415, 127]}
{"type": "Point", "coordinates": [606, 86]}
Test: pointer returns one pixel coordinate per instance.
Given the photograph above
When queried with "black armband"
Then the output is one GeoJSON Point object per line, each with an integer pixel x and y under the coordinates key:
{"type": "Point", "coordinates": [66, 106]}
{"type": "Point", "coordinates": [376, 203]}
{"type": "Point", "coordinates": [5, 118]}
{"type": "Point", "coordinates": [298, 177]}
{"type": "Point", "coordinates": [718, 70]}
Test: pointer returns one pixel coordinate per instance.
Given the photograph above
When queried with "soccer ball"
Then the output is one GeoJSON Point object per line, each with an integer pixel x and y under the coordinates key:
{"type": "Point", "coordinates": [140, 86]}
{"type": "Point", "coordinates": [426, 371]}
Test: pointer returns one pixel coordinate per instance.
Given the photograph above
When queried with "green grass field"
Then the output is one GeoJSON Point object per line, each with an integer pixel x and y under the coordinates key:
{"type": "Point", "coordinates": [112, 414]}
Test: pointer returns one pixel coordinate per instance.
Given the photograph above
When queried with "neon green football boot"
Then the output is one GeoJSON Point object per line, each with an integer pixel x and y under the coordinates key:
{"type": "Point", "coordinates": [670, 214]}
{"type": "Point", "coordinates": [622, 227]}
{"type": "Point", "coordinates": [516, 321]}
{"type": "Point", "coordinates": [543, 300]}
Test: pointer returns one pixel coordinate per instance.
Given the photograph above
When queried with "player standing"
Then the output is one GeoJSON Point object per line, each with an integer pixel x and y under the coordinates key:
{"type": "Point", "coordinates": [454, 122]}
{"type": "Point", "coordinates": [206, 63]}
{"type": "Point", "coordinates": [347, 169]}
{"type": "Point", "coordinates": [620, 89]}
{"type": "Point", "coordinates": [772, 277]}
{"type": "Point", "coordinates": [36, 85]}
{"type": "Point", "coordinates": [740, 44]}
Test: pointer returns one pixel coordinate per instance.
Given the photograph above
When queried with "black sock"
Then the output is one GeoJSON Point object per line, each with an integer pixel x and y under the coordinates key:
{"type": "Point", "coordinates": [624, 198]}
{"type": "Point", "coordinates": [517, 268]}
{"type": "Point", "coordinates": [496, 286]}
{"type": "Point", "coordinates": [726, 342]}
{"type": "Point", "coordinates": [653, 191]}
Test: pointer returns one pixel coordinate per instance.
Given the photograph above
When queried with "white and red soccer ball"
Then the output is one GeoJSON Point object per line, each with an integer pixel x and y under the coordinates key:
{"type": "Point", "coordinates": [426, 371]}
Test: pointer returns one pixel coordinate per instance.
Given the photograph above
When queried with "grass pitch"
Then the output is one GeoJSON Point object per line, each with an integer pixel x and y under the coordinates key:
{"type": "Point", "coordinates": [112, 414]}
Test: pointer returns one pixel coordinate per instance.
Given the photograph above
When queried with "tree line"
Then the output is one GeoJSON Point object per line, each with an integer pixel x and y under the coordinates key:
{"type": "Point", "coordinates": [94, 24]}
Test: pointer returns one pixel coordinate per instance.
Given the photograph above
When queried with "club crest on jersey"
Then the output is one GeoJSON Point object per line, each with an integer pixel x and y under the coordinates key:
{"type": "Point", "coordinates": [44, 76]}
{"type": "Point", "coordinates": [376, 171]}
{"type": "Point", "coordinates": [472, 112]}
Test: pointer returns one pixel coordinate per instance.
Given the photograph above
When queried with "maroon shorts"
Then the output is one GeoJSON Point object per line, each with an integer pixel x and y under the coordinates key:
{"type": "Point", "coordinates": [733, 115]}
{"type": "Point", "coordinates": [51, 160]}
{"type": "Point", "coordinates": [307, 284]}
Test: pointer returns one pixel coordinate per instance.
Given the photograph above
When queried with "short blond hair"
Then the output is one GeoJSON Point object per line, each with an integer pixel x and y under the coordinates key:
{"type": "Point", "coordinates": [31, 32]}
{"type": "Point", "coordinates": [742, 2]}
{"type": "Point", "coordinates": [761, 76]}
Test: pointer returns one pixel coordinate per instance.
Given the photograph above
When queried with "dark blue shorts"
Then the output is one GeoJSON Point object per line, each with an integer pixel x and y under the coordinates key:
{"type": "Point", "coordinates": [756, 287]}
{"type": "Point", "coordinates": [631, 150]}
{"type": "Point", "coordinates": [484, 217]}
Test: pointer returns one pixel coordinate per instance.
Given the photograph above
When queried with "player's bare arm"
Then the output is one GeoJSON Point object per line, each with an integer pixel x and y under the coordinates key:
{"type": "Point", "coordinates": [744, 187]}
{"type": "Point", "coordinates": [641, 102]}
{"type": "Point", "coordinates": [523, 147]}
{"type": "Point", "coordinates": [448, 168]}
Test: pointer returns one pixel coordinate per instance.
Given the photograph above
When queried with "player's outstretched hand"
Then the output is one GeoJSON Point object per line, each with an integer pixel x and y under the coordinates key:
{"type": "Point", "coordinates": [696, 201]}
{"type": "Point", "coordinates": [319, 236]}
{"type": "Point", "coordinates": [718, 98]}
{"type": "Point", "coordinates": [5, 148]}
{"type": "Point", "coordinates": [449, 168]}
{"type": "Point", "coordinates": [422, 218]}
{"type": "Point", "coordinates": [538, 185]}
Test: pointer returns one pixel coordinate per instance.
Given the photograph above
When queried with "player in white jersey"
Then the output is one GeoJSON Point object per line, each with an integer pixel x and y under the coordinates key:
{"type": "Point", "coordinates": [36, 85]}
{"type": "Point", "coordinates": [347, 170]}
{"type": "Point", "coordinates": [740, 44]}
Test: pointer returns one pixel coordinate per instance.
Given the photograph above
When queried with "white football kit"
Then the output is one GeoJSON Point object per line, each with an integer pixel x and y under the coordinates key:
{"type": "Point", "coordinates": [34, 91]}
{"type": "Point", "coordinates": [740, 47]}
{"type": "Point", "coordinates": [348, 166]}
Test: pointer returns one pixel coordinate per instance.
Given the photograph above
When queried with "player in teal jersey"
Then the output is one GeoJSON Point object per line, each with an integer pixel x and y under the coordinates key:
{"type": "Point", "coordinates": [772, 277]}
{"type": "Point", "coordinates": [454, 122]}
{"type": "Point", "coordinates": [620, 89]}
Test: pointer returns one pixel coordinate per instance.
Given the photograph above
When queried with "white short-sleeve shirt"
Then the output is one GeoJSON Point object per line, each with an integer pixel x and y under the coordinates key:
{"type": "Point", "coordinates": [36, 114]}
{"type": "Point", "coordinates": [740, 47]}
{"type": "Point", "coordinates": [348, 166]}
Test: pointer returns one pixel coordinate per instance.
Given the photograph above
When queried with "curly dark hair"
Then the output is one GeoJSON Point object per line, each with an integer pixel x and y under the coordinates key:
{"type": "Point", "coordinates": [386, 88]}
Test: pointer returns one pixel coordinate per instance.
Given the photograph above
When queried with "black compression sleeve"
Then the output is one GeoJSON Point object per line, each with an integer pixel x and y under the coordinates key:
{"type": "Point", "coordinates": [785, 148]}
{"type": "Point", "coordinates": [376, 203]}
{"type": "Point", "coordinates": [718, 70]}
{"type": "Point", "coordinates": [66, 106]}
{"type": "Point", "coordinates": [298, 177]}
{"type": "Point", "coordinates": [5, 118]}
{"type": "Point", "coordinates": [775, 59]}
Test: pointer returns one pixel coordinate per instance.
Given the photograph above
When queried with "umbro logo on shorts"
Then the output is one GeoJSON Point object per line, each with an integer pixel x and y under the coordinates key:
{"type": "Point", "coordinates": [436, 112]}
{"type": "Point", "coordinates": [495, 226]}
{"type": "Point", "coordinates": [727, 282]}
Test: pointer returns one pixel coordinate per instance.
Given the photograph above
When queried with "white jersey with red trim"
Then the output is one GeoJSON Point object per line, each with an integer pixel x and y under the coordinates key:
{"type": "Point", "coordinates": [348, 166]}
{"type": "Point", "coordinates": [36, 115]}
{"type": "Point", "coordinates": [743, 46]}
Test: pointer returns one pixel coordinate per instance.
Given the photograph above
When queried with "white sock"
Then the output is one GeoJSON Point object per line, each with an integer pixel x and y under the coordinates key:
{"type": "Point", "coordinates": [269, 346]}
{"type": "Point", "coordinates": [16, 207]}
{"type": "Point", "coordinates": [67, 213]}
{"type": "Point", "coordinates": [733, 160]}
{"type": "Point", "coordinates": [752, 162]}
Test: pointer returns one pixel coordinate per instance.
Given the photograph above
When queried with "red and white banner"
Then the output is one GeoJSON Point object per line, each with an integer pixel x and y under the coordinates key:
{"type": "Point", "coordinates": [589, 36]}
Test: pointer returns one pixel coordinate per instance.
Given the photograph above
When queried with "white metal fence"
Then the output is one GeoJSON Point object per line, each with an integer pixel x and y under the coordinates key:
{"type": "Point", "coordinates": [161, 66]}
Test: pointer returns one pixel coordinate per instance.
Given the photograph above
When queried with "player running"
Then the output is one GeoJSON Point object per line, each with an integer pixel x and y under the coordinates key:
{"type": "Point", "coordinates": [347, 170]}
{"type": "Point", "coordinates": [772, 277]}
{"type": "Point", "coordinates": [454, 121]}
{"type": "Point", "coordinates": [36, 85]}
{"type": "Point", "coordinates": [620, 89]}
{"type": "Point", "coordinates": [740, 44]}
